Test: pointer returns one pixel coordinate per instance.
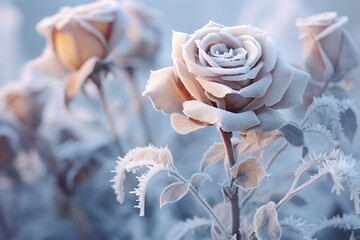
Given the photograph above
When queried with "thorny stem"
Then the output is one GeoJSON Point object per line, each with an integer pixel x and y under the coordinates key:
{"type": "Point", "coordinates": [110, 120]}
{"type": "Point", "coordinates": [234, 201]}
{"type": "Point", "coordinates": [201, 200]}
{"type": "Point", "coordinates": [324, 87]}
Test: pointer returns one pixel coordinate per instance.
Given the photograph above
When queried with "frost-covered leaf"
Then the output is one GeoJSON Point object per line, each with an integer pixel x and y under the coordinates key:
{"type": "Point", "coordinates": [118, 180]}
{"type": "Point", "coordinates": [173, 193]}
{"type": "Point", "coordinates": [214, 154]}
{"type": "Point", "coordinates": [188, 227]}
{"type": "Point", "coordinates": [305, 151]}
{"type": "Point", "coordinates": [327, 112]}
{"type": "Point", "coordinates": [143, 183]}
{"type": "Point", "coordinates": [266, 223]}
{"type": "Point", "coordinates": [315, 129]}
{"type": "Point", "coordinates": [248, 174]}
{"type": "Point", "coordinates": [255, 141]}
{"type": "Point", "coordinates": [297, 225]}
{"type": "Point", "coordinates": [293, 135]}
{"type": "Point", "coordinates": [222, 211]}
{"type": "Point", "coordinates": [344, 171]}
{"type": "Point", "coordinates": [346, 222]}
{"type": "Point", "coordinates": [197, 180]}
{"type": "Point", "coordinates": [136, 158]}
{"type": "Point", "coordinates": [143, 156]}
{"type": "Point", "coordinates": [348, 121]}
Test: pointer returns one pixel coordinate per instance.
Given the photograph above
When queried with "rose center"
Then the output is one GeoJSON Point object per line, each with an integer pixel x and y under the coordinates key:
{"type": "Point", "coordinates": [227, 57]}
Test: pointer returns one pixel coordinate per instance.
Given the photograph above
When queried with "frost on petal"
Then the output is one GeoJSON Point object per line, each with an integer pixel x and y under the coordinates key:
{"type": "Point", "coordinates": [269, 120]}
{"type": "Point", "coordinates": [266, 223]}
{"type": "Point", "coordinates": [183, 124]}
{"type": "Point", "coordinates": [228, 121]}
{"type": "Point", "coordinates": [294, 94]}
{"type": "Point", "coordinates": [189, 81]}
{"type": "Point", "coordinates": [220, 90]}
{"type": "Point", "coordinates": [178, 40]}
{"type": "Point", "coordinates": [78, 79]}
{"type": "Point", "coordinates": [349, 57]}
{"type": "Point", "coordinates": [270, 54]}
{"type": "Point", "coordinates": [282, 75]}
{"type": "Point", "coordinates": [165, 91]}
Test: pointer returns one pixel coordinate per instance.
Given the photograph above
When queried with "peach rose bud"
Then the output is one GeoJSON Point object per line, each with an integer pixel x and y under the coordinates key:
{"type": "Point", "coordinates": [74, 44]}
{"type": "Point", "coordinates": [329, 51]}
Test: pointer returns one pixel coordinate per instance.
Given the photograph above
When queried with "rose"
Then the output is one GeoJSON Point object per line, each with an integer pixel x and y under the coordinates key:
{"type": "Point", "coordinates": [105, 31]}
{"type": "Point", "coordinates": [329, 51]}
{"type": "Point", "coordinates": [80, 37]}
{"type": "Point", "coordinates": [83, 40]}
{"type": "Point", "coordinates": [233, 77]}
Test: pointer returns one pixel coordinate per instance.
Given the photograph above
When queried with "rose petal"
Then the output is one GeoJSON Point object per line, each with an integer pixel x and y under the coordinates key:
{"type": "Point", "coordinates": [257, 89]}
{"type": "Point", "coordinates": [212, 24]}
{"type": "Point", "coordinates": [282, 76]}
{"type": "Point", "coordinates": [228, 121]}
{"type": "Point", "coordinates": [77, 80]}
{"type": "Point", "coordinates": [349, 57]}
{"type": "Point", "coordinates": [254, 52]}
{"type": "Point", "coordinates": [269, 120]}
{"type": "Point", "coordinates": [328, 70]}
{"type": "Point", "coordinates": [269, 54]}
{"type": "Point", "coordinates": [190, 82]}
{"type": "Point", "coordinates": [178, 40]}
{"type": "Point", "coordinates": [204, 58]}
{"type": "Point", "coordinates": [330, 29]}
{"type": "Point", "coordinates": [165, 91]}
{"type": "Point", "coordinates": [228, 71]}
{"type": "Point", "coordinates": [294, 94]}
{"type": "Point", "coordinates": [249, 75]}
{"type": "Point", "coordinates": [183, 124]}
{"type": "Point", "coordinates": [246, 30]}
{"type": "Point", "coordinates": [46, 63]}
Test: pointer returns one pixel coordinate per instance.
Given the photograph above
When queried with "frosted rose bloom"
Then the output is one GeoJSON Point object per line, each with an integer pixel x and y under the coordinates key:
{"type": "Point", "coordinates": [232, 77]}
{"type": "Point", "coordinates": [80, 39]}
{"type": "Point", "coordinates": [329, 51]}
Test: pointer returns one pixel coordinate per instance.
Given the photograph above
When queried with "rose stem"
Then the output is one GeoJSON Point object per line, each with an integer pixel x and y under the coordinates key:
{"type": "Point", "coordinates": [324, 87]}
{"type": "Point", "coordinates": [96, 79]}
{"type": "Point", "coordinates": [234, 201]}
{"type": "Point", "coordinates": [137, 96]}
